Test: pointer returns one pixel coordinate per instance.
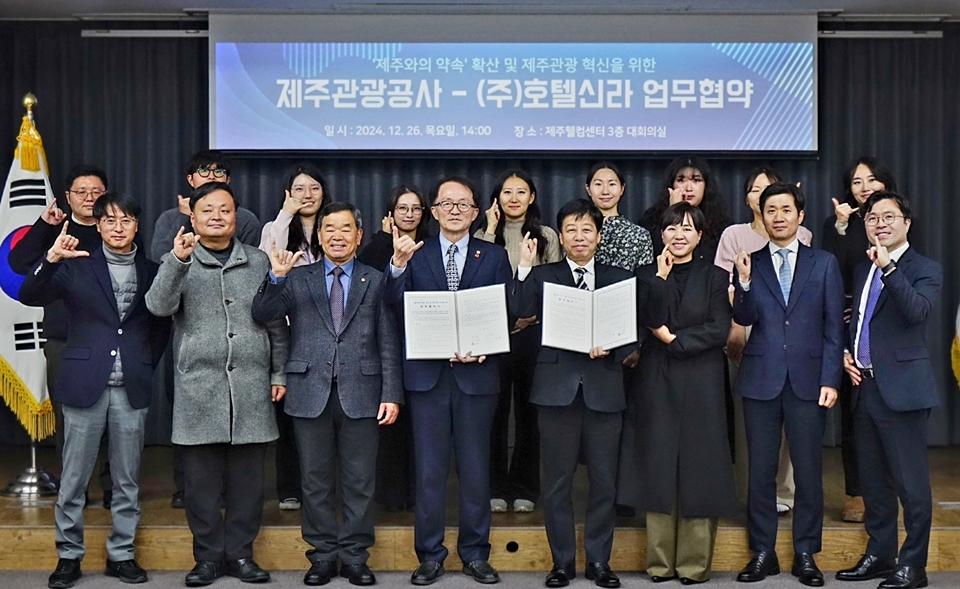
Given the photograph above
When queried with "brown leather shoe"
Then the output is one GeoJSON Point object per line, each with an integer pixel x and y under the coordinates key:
{"type": "Point", "coordinates": [853, 510]}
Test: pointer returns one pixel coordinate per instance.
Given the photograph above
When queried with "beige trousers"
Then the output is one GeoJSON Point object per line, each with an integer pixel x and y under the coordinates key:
{"type": "Point", "coordinates": [680, 546]}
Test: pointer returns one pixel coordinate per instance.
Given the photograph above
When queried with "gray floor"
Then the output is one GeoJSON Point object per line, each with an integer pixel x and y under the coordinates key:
{"type": "Point", "coordinates": [452, 580]}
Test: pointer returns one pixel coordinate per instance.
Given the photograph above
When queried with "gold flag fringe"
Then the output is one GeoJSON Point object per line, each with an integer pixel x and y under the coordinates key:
{"type": "Point", "coordinates": [36, 418]}
{"type": "Point", "coordinates": [955, 357]}
{"type": "Point", "coordinates": [30, 147]}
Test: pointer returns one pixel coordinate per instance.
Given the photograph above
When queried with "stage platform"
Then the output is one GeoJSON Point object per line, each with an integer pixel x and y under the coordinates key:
{"type": "Point", "coordinates": [519, 540]}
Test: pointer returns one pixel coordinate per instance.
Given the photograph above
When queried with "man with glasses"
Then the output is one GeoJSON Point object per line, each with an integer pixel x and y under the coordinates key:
{"type": "Point", "coordinates": [85, 184]}
{"type": "Point", "coordinates": [452, 402]}
{"type": "Point", "coordinates": [113, 344]}
{"type": "Point", "coordinates": [203, 167]}
{"type": "Point", "coordinates": [888, 361]}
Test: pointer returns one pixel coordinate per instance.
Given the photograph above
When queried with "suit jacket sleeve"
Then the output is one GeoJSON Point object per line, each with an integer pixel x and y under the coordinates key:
{"type": "Point", "coordinates": [524, 296]}
{"type": "Point", "coordinates": [651, 300]}
{"type": "Point", "coordinates": [163, 298]}
{"type": "Point", "coordinates": [914, 301]}
{"type": "Point", "coordinates": [279, 335]}
{"type": "Point", "coordinates": [44, 283]}
{"type": "Point", "coordinates": [272, 301]}
{"type": "Point", "coordinates": [391, 354]}
{"type": "Point", "coordinates": [697, 339]}
{"type": "Point", "coordinates": [32, 246]}
{"type": "Point", "coordinates": [833, 326]}
{"type": "Point", "coordinates": [744, 306]}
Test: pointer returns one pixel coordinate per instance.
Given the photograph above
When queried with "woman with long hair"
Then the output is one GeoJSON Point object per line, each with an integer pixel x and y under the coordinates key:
{"type": "Point", "coordinates": [514, 213]}
{"type": "Point", "coordinates": [622, 244]}
{"type": "Point", "coordinates": [409, 213]}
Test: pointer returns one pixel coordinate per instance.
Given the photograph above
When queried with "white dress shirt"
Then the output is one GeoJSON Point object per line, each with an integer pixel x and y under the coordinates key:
{"type": "Point", "coordinates": [590, 277]}
{"type": "Point", "coordinates": [865, 293]}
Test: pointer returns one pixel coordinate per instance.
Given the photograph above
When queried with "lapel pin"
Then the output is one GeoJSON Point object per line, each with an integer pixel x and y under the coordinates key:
{"type": "Point", "coordinates": [363, 280]}
{"type": "Point", "coordinates": [477, 255]}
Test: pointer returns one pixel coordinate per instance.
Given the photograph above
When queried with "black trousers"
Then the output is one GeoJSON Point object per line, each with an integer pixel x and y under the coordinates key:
{"type": "Point", "coordinates": [564, 431]}
{"type": "Point", "coordinates": [848, 439]}
{"type": "Point", "coordinates": [892, 452]}
{"type": "Point", "coordinates": [804, 422]}
{"type": "Point", "coordinates": [223, 473]}
{"type": "Point", "coordinates": [396, 474]}
{"type": "Point", "coordinates": [333, 444]}
{"type": "Point", "coordinates": [287, 459]}
{"type": "Point", "coordinates": [517, 477]}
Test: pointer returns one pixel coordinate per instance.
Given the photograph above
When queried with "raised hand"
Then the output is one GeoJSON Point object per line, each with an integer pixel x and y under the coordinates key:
{"type": "Point", "coordinates": [387, 223]}
{"type": "Point", "coordinates": [403, 249]}
{"type": "Point", "coordinates": [878, 254]}
{"type": "Point", "coordinates": [282, 261]}
{"type": "Point", "coordinates": [292, 204]}
{"type": "Point", "coordinates": [742, 263]}
{"type": "Point", "coordinates": [65, 247]}
{"type": "Point", "coordinates": [184, 244]}
{"type": "Point", "coordinates": [493, 218]}
{"type": "Point", "coordinates": [183, 204]}
{"type": "Point", "coordinates": [52, 215]}
{"type": "Point", "coordinates": [664, 263]}
{"type": "Point", "coordinates": [528, 251]}
{"type": "Point", "coordinates": [843, 211]}
{"type": "Point", "coordinates": [676, 195]}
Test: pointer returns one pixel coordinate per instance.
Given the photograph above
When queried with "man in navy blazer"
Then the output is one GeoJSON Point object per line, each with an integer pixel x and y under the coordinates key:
{"type": "Point", "coordinates": [889, 363]}
{"type": "Point", "coordinates": [343, 381]}
{"type": "Point", "coordinates": [113, 345]}
{"type": "Point", "coordinates": [452, 403]}
{"type": "Point", "coordinates": [792, 296]}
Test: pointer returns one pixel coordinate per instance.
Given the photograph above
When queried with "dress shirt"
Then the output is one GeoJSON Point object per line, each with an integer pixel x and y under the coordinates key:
{"type": "Point", "coordinates": [328, 276]}
{"type": "Point", "coordinates": [794, 247]}
{"type": "Point", "coordinates": [865, 293]}
{"type": "Point", "coordinates": [590, 277]}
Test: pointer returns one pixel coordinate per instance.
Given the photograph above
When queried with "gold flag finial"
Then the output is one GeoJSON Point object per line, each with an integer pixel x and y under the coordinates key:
{"type": "Point", "coordinates": [29, 145]}
{"type": "Point", "coordinates": [29, 101]}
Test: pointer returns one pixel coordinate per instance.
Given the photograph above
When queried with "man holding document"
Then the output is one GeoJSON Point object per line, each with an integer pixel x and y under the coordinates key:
{"type": "Point", "coordinates": [452, 396]}
{"type": "Point", "coordinates": [578, 383]}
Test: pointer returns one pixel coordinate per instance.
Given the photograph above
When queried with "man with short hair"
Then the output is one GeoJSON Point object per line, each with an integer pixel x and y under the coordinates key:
{"type": "Point", "coordinates": [895, 291]}
{"type": "Point", "coordinates": [113, 344]}
{"type": "Point", "coordinates": [343, 382]}
{"type": "Point", "coordinates": [792, 295]}
{"type": "Point", "coordinates": [452, 402]}
{"type": "Point", "coordinates": [85, 184]}
{"type": "Point", "coordinates": [580, 401]}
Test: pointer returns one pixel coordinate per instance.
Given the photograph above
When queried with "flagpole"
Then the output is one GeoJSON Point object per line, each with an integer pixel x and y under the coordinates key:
{"type": "Point", "coordinates": [33, 482]}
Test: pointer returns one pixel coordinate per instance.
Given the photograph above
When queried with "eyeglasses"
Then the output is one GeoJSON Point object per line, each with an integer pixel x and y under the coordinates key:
{"type": "Point", "coordinates": [205, 172]}
{"type": "Point", "coordinates": [95, 193]}
{"type": "Point", "coordinates": [447, 206]}
{"type": "Point", "coordinates": [301, 190]}
{"type": "Point", "coordinates": [125, 222]}
{"type": "Point", "coordinates": [404, 209]}
{"type": "Point", "coordinates": [888, 219]}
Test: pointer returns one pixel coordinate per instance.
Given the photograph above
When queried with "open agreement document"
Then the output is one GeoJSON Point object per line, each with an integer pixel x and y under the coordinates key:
{"type": "Point", "coordinates": [439, 323]}
{"type": "Point", "coordinates": [580, 320]}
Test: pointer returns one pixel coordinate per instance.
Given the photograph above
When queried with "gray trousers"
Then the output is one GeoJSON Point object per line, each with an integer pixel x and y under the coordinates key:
{"type": "Point", "coordinates": [83, 429]}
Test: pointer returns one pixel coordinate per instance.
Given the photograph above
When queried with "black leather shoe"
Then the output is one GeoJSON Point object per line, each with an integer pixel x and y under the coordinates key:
{"type": "Point", "coordinates": [107, 499]}
{"type": "Point", "coordinates": [66, 574]}
{"type": "Point", "coordinates": [761, 566]}
{"type": "Point", "coordinates": [689, 581]}
{"type": "Point", "coordinates": [805, 569]}
{"type": "Point", "coordinates": [427, 573]}
{"type": "Point", "coordinates": [868, 567]}
{"type": "Point", "coordinates": [358, 574]}
{"type": "Point", "coordinates": [247, 571]}
{"type": "Point", "coordinates": [659, 579]}
{"type": "Point", "coordinates": [320, 572]}
{"type": "Point", "coordinates": [601, 575]}
{"type": "Point", "coordinates": [905, 577]}
{"type": "Point", "coordinates": [176, 500]}
{"type": "Point", "coordinates": [206, 572]}
{"type": "Point", "coordinates": [561, 575]}
{"type": "Point", "coordinates": [127, 571]}
{"type": "Point", "coordinates": [481, 571]}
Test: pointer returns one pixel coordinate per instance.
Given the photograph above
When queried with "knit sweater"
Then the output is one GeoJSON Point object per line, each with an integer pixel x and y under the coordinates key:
{"type": "Point", "coordinates": [123, 277]}
{"type": "Point", "coordinates": [512, 238]}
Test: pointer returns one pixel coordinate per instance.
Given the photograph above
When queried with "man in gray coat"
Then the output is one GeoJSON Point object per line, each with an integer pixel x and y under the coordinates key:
{"type": "Point", "coordinates": [228, 369]}
{"type": "Point", "coordinates": [343, 379]}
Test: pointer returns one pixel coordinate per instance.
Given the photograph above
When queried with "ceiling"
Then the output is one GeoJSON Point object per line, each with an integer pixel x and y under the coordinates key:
{"type": "Point", "coordinates": [156, 9]}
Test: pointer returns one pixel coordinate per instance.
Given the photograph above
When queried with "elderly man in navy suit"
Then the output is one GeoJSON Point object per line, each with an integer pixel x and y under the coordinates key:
{"type": "Point", "coordinates": [452, 403]}
{"type": "Point", "coordinates": [113, 345]}
{"type": "Point", "coordinates": [343, 381]}
{"type": "Point", "coordinates": [895, 290]}
{"type": "Point", "coordinates": [792, 295]}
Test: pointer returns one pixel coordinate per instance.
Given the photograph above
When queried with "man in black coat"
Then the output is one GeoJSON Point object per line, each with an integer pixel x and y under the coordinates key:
{"type": "Point", "coordinates": [580, 401]}
{"type": "Point", "coordinates": [113, 344]}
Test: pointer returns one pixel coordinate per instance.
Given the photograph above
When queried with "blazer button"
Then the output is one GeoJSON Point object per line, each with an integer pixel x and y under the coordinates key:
{"type": "Point", "coordinates": [231, 334]}
{"type": "Point", "coordinates": [784, 346]}
{"type": "Point", "coordinates": [113, 352]}
{"type": "Point", "coordinates": [230, 368]}
{"type": "Point", "coordinates": [120, 331]}
{"type": "Point", "coordinates": [786, 323]}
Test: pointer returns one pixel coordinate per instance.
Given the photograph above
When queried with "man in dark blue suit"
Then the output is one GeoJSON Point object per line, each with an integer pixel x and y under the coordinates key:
{"type": "Point", "coordinates": [895, 290]}
{"type": "Point", "coordinates": [792, 296]}
{"type": "Point", "coordinates": [113, 345]}
{"type": "Point", "coordinates": [451, 403]}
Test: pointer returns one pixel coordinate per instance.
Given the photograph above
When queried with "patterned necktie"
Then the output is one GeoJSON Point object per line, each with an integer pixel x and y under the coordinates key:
{"type": "Point", "coordinates": [336, 298]}
{"type": "Point", "coordinates": [784, 277]}
{"type": "Point", "coordinates": [453, 279]}
{"type": "Point", "coordinates": [581, 281]}
{"type": "Point", "coordinates": [863, 342]}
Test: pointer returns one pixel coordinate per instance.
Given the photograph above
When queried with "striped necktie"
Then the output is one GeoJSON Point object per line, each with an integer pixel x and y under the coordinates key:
{"type": "Point", "coordinates": [581, 280]}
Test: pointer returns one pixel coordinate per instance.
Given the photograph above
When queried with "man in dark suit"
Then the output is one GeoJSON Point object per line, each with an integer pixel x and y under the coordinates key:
{"type": "Point", "coordinates": [452, 403]}
{"type": "Point", "coordinates": [894, 292]}
{"type": "Point", "coordinates": [579, 398]}
{"type": "Point", "coordinates": [343, 379]}
{"type": "Point", "coordinates": [792, 295]}
{"type": "Point", "coordinates": [113, 344]}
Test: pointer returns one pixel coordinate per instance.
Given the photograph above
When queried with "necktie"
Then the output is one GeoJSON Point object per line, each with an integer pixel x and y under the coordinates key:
{"type": "Point", "coordinates": [784, 277]}
{"type": "Point", "coordinates": [581, 281]}
{"type": "Point", "coordinates": [863, 342]}
{"type": "Point", "coordinates": [336, 298]}
{"type": "Point", "coordinates": [453, 279]}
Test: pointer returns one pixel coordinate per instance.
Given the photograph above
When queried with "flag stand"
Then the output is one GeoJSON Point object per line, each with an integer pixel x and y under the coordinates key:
{"type": "Point", "coordinates": [33, 482]}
